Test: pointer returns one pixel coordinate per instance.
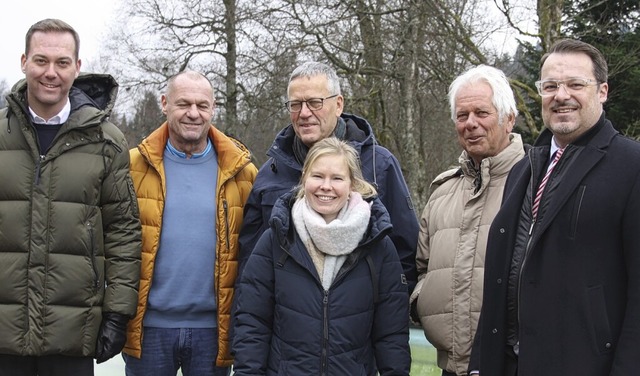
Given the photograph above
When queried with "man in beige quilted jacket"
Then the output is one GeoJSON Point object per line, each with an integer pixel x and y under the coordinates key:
{"type": "Point", "coordinates": [454, 224]}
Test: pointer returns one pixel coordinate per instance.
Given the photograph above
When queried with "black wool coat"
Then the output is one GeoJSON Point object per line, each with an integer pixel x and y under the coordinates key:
{"type": "Point", "coordinates": [579, 288]}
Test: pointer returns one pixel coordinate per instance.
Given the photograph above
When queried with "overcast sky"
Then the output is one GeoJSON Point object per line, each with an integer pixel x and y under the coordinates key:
{"type": "Point", "coordinates": [90, 18]}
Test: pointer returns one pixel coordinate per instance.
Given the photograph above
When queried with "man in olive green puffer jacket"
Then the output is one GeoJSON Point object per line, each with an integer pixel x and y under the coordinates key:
{"type": "Point", "coordinates": [69, 227]}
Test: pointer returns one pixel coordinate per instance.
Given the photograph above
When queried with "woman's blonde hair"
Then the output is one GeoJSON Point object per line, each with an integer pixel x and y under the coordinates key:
{"type": "Point", "coordinates": [332, 146]}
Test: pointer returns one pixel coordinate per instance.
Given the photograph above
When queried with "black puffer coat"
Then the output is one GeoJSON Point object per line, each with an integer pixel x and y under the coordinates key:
{"type": "Point", "coordinates": [287, 324]}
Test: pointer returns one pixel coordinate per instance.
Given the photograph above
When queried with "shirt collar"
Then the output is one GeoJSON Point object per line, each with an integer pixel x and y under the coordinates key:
{"type": "Point", "coordinates": [554, 147]}
{"type": "Point", "coordinates": [60, 118]}
{"type": "Point", "coordinates": [171, 149]}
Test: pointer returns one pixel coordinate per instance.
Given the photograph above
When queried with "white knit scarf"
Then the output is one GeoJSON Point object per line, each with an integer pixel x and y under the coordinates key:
{"type": "Point", "coordinates": [330, 243]}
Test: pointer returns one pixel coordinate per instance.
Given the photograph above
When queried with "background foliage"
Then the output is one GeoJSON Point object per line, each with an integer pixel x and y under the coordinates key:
{"type": "Point", "coordinates": [396, 59]}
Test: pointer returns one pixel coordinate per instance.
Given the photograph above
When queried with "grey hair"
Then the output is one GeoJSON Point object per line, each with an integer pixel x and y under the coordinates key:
{"type": "Point", "coordinates": [502, 99]}
{"type": "Point", "coordinates": [314, 68]}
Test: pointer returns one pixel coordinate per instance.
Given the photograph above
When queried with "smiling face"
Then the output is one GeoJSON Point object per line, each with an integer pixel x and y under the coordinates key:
{"type": "Point", "coordinates": [189, 106]}
{"type": "Point", "coordinates": [327, 185]}
{"type": "Point", "coordinates": [477, 123]}
{"type": "Point", "coordinates": [313, 126]}
{"type": "Point", "coordinates": [50, 69]}
{"type": "Point", "coordinates": [569, 114]}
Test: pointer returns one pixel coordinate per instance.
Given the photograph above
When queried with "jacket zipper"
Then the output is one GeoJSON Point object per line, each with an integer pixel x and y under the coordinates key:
{"type": "Point", "coordinates": [528, 246]}
{"type": "Point", "coordinates": [225, 207]}
{"type": "Point", "coordinates": [92, 255]}
{"type": "Point", "coordinates": [325, 333]}
{"type": "Point", "coordinates": [38, 165]}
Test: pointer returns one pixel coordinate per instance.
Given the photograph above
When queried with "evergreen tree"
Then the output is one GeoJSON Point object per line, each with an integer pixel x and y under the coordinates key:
{"type": "Point", "coordinates": [614, 28]}
{"type": "Point", "coordinates": [147, 118]}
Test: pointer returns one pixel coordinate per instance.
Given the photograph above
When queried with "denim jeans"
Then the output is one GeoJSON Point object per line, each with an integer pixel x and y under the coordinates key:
{"type": "Point", "coordinates": [165, 350]}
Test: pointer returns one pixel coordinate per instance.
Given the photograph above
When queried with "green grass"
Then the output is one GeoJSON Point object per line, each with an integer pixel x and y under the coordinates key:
{"type": "Point", "coordinates": [423, 361]}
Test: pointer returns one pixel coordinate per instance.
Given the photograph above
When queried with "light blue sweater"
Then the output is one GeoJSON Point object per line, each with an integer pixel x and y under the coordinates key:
{"type": "Point", "coordinates": [182, 290]}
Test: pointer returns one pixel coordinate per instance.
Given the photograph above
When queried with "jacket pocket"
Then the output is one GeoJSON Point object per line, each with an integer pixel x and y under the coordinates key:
{"type": "Point", "coordinates": [575, 212]}
{"type": "Point", "coordinates": [601, 330]}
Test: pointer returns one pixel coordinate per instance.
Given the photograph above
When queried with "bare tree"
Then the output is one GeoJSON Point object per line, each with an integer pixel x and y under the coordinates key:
{"type": "Point", "coordinates": [4, 90]}
{"type": "Point", "coordinates": [396, 58]}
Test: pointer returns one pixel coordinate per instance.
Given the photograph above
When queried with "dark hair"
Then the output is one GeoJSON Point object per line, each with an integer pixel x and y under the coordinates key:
{"type": "Point", "coordinates": [51, 25]}
{"type": "Point", "coordinates": [572, 46]}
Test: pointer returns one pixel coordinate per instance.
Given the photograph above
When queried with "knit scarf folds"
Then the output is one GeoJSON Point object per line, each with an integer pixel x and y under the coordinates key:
{"type": "Point", "coordinates": [329, 244]}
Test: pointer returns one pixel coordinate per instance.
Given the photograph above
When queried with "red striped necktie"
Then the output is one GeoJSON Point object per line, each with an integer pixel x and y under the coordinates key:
{"type": "Point", "coordinates": [543, 183]}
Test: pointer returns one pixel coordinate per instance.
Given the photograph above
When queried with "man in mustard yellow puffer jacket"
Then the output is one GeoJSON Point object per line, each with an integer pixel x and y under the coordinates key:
{"type": "Point", "coordinates": [192, 182]}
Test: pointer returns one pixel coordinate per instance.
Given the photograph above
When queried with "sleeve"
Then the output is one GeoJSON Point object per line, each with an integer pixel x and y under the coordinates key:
{"type": "Point", "coordinates": [395, 196]}
{"type": "Point", "coordinates": [422, 261]}
{"type": "Point", "coordinates": [122, 236]}
{"type": "Point", "coordinates": [254, 310]}
{"type": "Point", "coordinates": [252, 228]}
{"type": "Point", "coordinates": [626, 360]}
{"type": "Point", "coordinates": [391, 317]}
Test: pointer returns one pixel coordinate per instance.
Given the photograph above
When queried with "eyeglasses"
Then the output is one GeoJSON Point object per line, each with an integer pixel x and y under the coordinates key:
{"type": "Point", "coordinates": [550, 87]}
{"type": "Point", "coordinates": [314, 104]}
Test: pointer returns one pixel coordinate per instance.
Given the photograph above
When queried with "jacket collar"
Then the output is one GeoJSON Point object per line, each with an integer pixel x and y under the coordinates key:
{"type": "Point", "coordinates": [232, 155]}
{"type": "Point", "coordinates": [359, 133]}
{"type": "Point", "coordinates": [282, 226]}
{"type": "Point", "coordinates": [577, 161]}
{"type": "Point", "coordinates": [495, 166]}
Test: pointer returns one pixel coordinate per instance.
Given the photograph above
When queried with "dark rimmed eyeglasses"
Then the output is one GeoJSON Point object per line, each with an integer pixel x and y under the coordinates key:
{"type": "Point", "coordinates": [314, 104]}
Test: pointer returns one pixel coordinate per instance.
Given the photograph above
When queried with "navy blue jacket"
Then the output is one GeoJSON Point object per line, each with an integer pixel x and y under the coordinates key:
{"type": "Point", "coordinates": [287, 324]}
{"type": "Point", "coordinates": [579, 285]}
{"type": "Point", "coordinates": [381, 168]}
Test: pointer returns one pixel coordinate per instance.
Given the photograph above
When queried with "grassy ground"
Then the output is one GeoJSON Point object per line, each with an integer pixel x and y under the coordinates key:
{"type": "Point", "coordinates": [423, 361]}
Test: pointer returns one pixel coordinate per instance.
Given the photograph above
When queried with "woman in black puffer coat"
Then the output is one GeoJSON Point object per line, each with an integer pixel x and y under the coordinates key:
{"type": "Point", "coordinates": [323, 292]}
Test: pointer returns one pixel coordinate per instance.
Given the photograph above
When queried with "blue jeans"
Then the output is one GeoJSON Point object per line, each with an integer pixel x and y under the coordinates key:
{"type": "Point", "coordinates": [165, 350]}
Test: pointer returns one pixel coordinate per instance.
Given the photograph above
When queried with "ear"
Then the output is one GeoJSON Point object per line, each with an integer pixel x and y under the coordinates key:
{"type": "Point", "coordinates": [603, 92]}
{"type": "Point", "coordinates": [163, 102]}
{"type": "Point", "coordinates": [23, 63]}
{"type": "Point", "coordinates": [339, 105]}
{"type": "Point", "coordinates": [510, 122]}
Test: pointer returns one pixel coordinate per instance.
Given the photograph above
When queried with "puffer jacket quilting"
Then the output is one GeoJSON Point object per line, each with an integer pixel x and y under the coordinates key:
{"type": "Point", "coordinates": [69, 228]}
{"type": "Point", "coordinates": [235, 179]}
{"type": "Point", "coordinates": [282, 172]}
{"type": "Point", "coordinates": [286, 323]}
{"type": "Point", "coordinates": [451, 252]}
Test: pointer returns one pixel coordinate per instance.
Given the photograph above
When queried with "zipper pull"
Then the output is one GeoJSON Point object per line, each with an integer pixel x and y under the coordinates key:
{"type": "Point", "coordinates": [531, 228]}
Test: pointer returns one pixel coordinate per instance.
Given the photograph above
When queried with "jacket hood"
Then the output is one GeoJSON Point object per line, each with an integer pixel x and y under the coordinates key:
{"type": "Point", "coordinates": [89, 89]}
{"type": "Point", "coordinates": [280, 221]}
{"type": "Point", "coordinates": [359, 133]}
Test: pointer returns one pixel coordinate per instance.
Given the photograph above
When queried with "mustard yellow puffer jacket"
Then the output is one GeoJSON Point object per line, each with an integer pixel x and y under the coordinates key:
{"type": "Point", "coordinates": [235, 179]}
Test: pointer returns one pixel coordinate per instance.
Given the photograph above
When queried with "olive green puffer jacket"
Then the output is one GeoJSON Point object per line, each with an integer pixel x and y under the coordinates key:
{"type": "Point", "coordinates": [69, 227]}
